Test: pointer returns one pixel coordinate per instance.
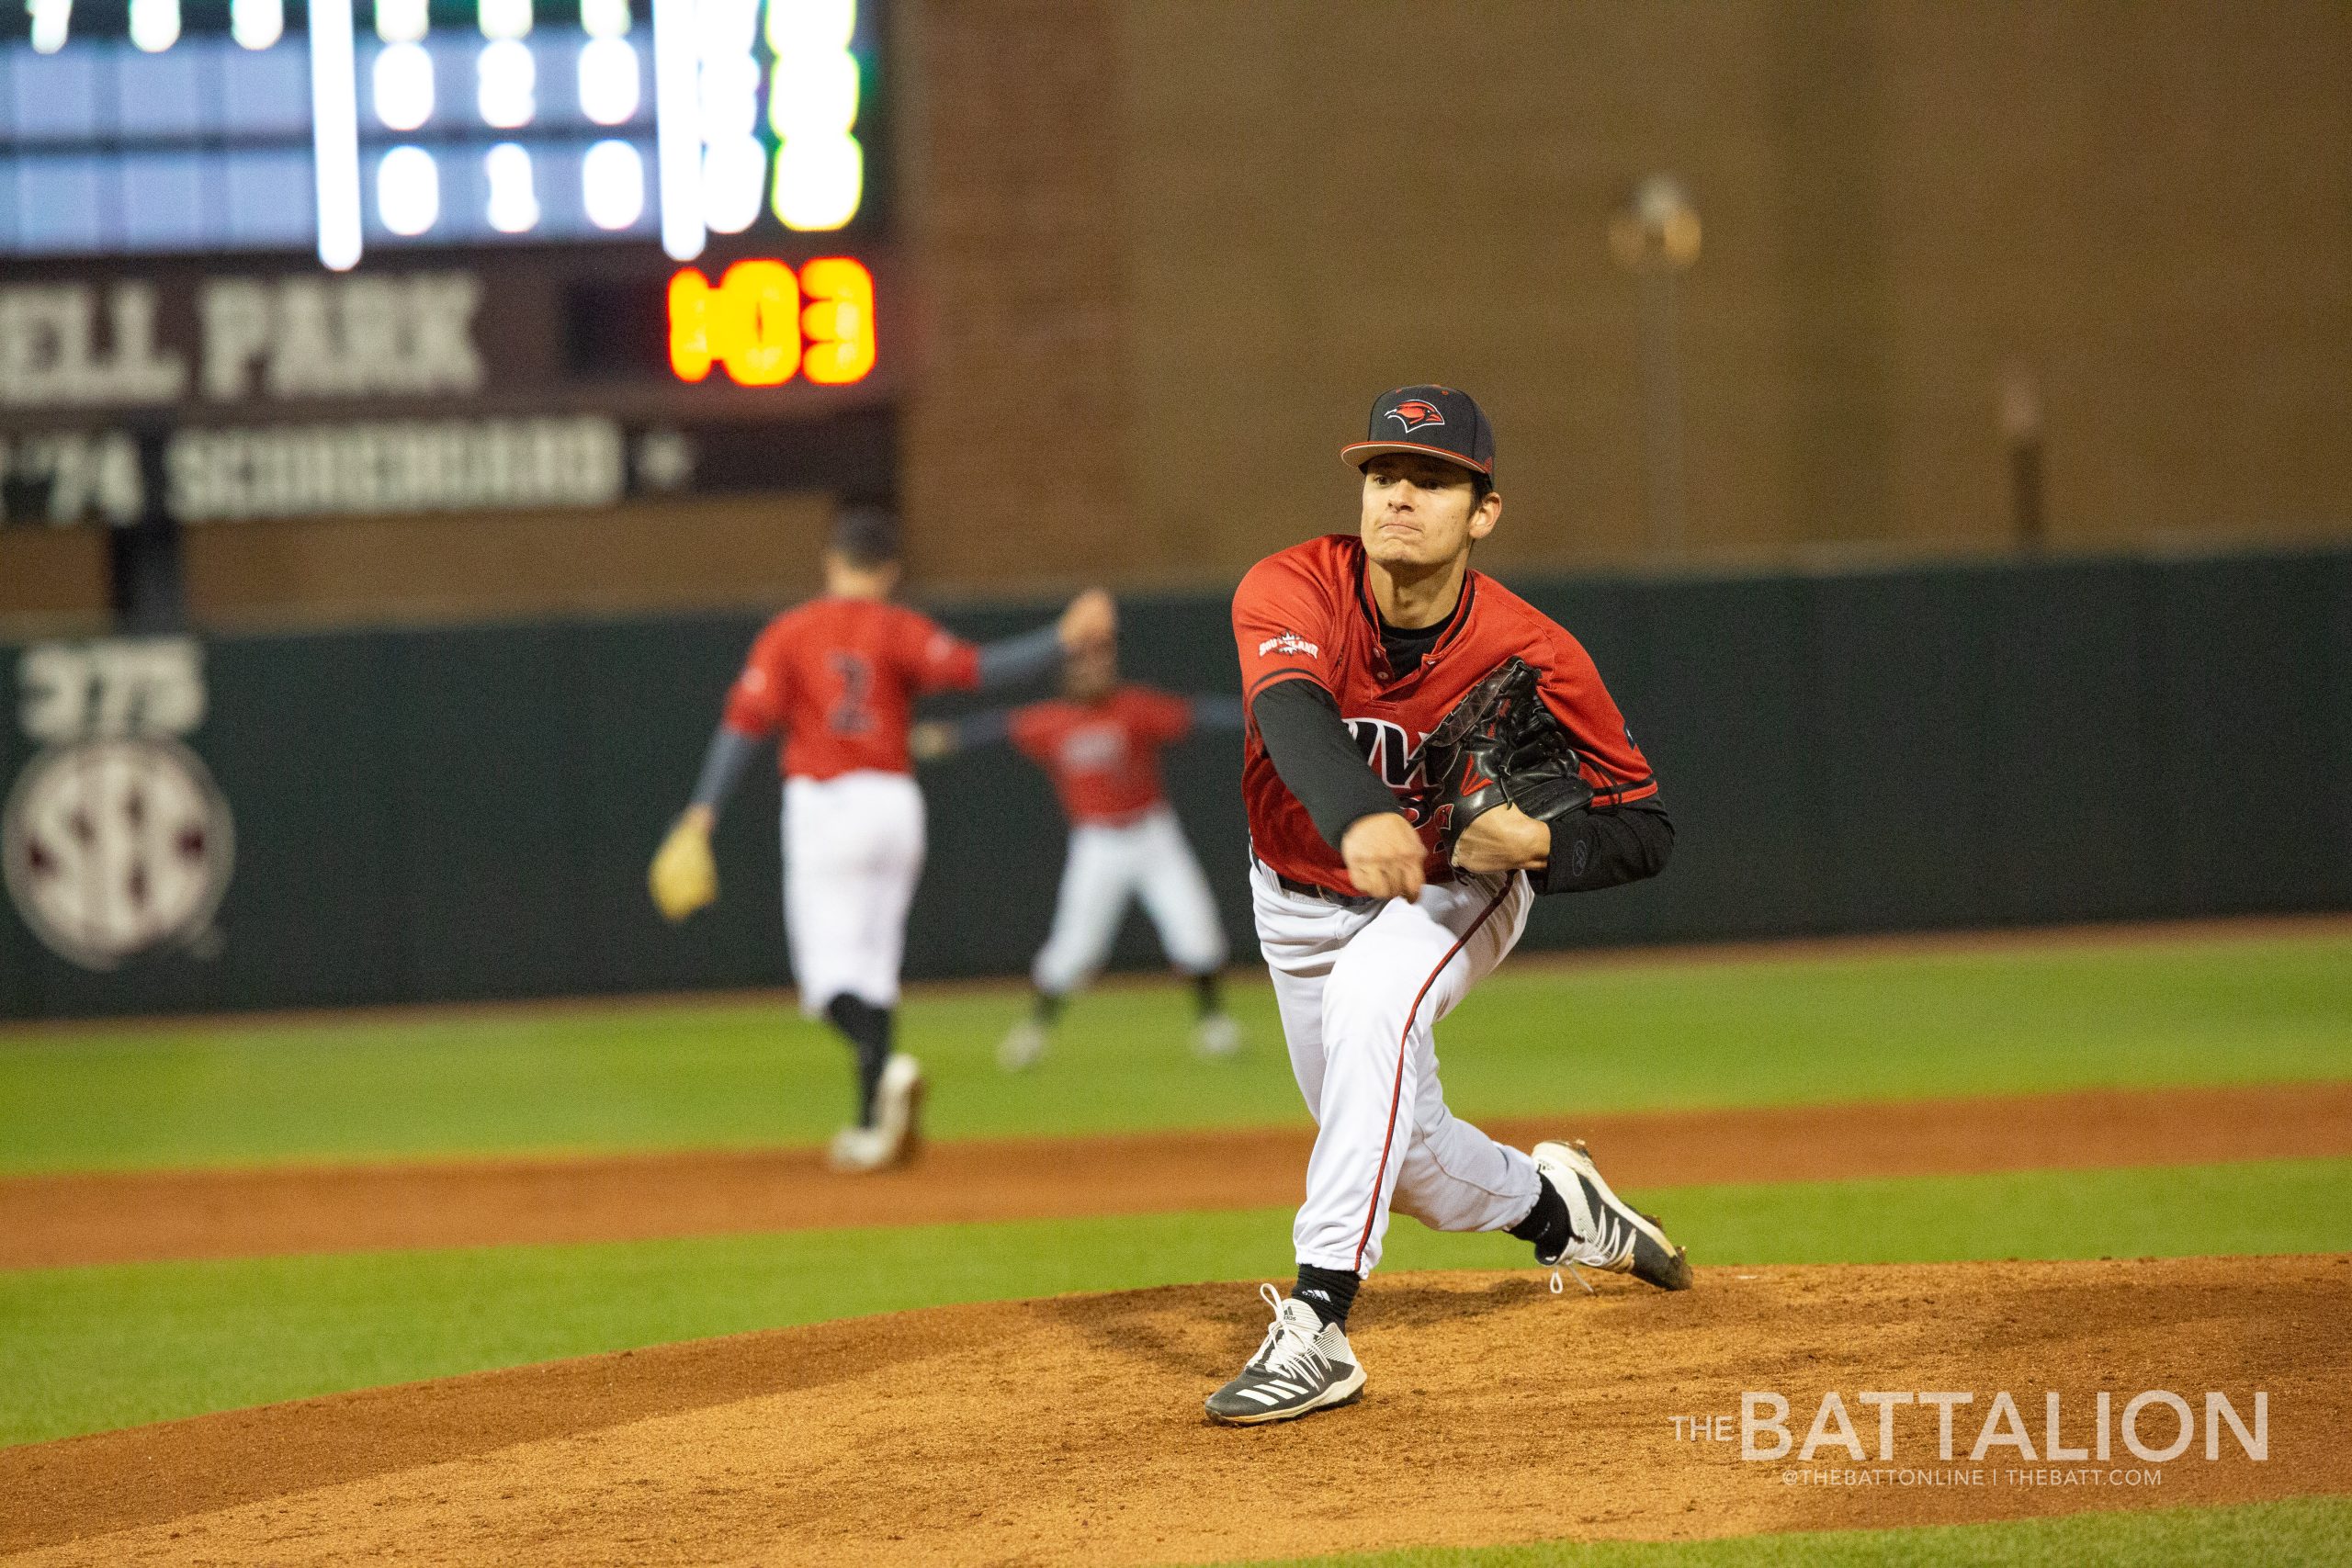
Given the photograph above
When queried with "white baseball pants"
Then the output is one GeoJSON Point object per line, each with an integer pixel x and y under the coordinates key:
{"type": "Point", "coordinates": [1361, 992]}
{"type": "Point", "coordinates": [1149, 858]}
{"type": "Point", "coordinates": [852, 853]}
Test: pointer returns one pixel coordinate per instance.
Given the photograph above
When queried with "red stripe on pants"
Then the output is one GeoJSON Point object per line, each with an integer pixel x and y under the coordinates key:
{"type": "Point", "coordinates": [1404, 1050]}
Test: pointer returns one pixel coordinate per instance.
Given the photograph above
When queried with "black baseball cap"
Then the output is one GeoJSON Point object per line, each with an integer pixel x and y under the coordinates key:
{"type": "Point", "coordinates": [1438, 421]}
{"type": "Point", "coordinates": [866, 534]}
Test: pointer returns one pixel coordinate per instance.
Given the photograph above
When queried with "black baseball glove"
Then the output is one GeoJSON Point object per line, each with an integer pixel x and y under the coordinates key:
{"type": "Point", "coordinates": [1499, 745]}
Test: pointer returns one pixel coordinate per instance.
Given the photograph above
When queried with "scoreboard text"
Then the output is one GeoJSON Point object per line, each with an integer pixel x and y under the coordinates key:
{"type": "Point", "coordinates": [148, 127]}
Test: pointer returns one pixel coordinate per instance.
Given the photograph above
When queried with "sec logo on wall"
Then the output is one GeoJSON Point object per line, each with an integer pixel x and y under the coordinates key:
{"type": "Point", "coordinates": [114, 839]}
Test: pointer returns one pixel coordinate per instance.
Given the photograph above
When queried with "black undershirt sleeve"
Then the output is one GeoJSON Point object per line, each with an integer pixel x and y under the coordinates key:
{"type": "Point", "coordinates": [1016, 658]}
{"type": "Point", "coordinates": [1217, 713]}
{"type": "Point", "coordinates": [730, 752]}
{"type": "Point", "coordinates": [1316, 759]}
{"type": "Point", "coordinates": [1593, 849]}
{"type": "Point", "coordinates": [981, 728]}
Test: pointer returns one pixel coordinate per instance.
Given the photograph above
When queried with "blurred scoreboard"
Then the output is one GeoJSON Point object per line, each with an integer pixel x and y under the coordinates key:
{"type": "Point", "coordinates": [271, 257]}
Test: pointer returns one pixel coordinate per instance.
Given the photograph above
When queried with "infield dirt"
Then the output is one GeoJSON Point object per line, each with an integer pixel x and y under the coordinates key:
{"type": "Point", "coordinates": [1069, 1430]}
{"type": "Point", "coordinates": [52, 1221]}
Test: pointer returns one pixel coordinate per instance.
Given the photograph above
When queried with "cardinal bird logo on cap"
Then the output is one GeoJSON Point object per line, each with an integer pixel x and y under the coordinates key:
{"type": "Point", "coordinates": [1413, 413]}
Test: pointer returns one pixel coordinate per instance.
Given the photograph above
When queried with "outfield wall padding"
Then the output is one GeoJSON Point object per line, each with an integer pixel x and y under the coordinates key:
{"type": "Point", "coordinates": [458, 814]}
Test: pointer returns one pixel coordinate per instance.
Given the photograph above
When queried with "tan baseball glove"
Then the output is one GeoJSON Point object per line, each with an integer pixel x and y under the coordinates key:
{"type": "Point", "coordinates": [683, 877]}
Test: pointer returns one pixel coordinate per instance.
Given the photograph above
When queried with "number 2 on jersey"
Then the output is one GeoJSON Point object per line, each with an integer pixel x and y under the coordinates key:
{"type": "Point", "coordinates": [850, 714]}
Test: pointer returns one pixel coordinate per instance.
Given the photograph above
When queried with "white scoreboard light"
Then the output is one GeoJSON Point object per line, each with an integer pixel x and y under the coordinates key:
{"type": "Point", "coordinates": [147, 127]}
{"type": "Point", "coordinates": [271, 258]}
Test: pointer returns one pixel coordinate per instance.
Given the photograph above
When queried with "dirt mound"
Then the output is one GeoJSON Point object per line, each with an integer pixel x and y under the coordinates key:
{"type": "Point", "coordinates": [1069, 1430]}
{"type": "Point", "coordinates": [60, 1220]}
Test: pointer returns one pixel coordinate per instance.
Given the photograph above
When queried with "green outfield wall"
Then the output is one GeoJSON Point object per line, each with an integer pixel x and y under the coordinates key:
{"type": "Point", "coordinates": [454, 813]}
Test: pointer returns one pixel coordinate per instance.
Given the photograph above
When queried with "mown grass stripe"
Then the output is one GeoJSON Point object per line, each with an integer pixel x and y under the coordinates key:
{"type": "Point", "coordinates": [1530, 1040]}
{"type": "Point", "coordinates": [2303, 1530]}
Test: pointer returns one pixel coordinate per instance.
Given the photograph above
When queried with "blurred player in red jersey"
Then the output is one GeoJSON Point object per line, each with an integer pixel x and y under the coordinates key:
{"type": "Point", "coordinates": [1101, 744]}
{"type": "Point", "coordinates": [837, 678]}
{"type": "Point", "coordinates": [1353, 648]}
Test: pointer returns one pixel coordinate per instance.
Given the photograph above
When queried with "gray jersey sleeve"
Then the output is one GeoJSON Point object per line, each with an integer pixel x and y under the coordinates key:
{"type": "Point", "coordinates": [1016, 658]}
{"type": "Point", "coordinates": [730, 753]}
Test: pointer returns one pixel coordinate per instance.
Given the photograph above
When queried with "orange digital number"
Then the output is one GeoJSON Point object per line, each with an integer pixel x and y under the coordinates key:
{"type": "Point", "coordinates": [749, 324]}
{"type": "Point", "coordinates": [753, 322]}
{"type": "Point", "coordinates": [838, 319]}
{"type": "Point", "coordinates": [690, 352]}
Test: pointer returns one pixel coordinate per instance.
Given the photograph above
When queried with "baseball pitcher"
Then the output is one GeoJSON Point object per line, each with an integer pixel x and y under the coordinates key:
{"type": "Point", "coordinates": [837, 678]}
{"type": "Point", "coordinates": [1425, 754]}
{"type": "Point", "coordinates": [1100, 744]}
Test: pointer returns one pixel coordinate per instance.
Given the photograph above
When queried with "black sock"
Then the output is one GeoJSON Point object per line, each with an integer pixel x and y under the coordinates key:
{"type": "Point", "coordinates": [1047, 1008]}
{"type": "Point", "coordinates": [1547, 1223]}
{"type": "Point", "coordinates": [1330, 1292]}
{"type": "Point", "coordinates": [1205, 994]}
{"type": "Point", "coordinates": [867, 1030]}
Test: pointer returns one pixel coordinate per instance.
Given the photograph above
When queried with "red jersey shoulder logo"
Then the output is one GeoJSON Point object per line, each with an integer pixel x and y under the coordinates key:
{"type": "Point", "coordinates": [1289, 642]}
{"type": "Point", "coordinates": [1413, 413]}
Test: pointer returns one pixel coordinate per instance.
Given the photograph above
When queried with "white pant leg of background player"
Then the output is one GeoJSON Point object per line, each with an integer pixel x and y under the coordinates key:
{"type": "Point", "coordinates": [1176, 893]}
{"type": "Point", "coordinates": [1097, 880]}
{"type": "Point", "coordinates": [853, 853]}
{"type": "Point", "coordinates": [1345, 982]}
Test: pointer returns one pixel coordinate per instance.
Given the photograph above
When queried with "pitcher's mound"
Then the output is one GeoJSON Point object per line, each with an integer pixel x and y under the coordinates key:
{"type": "Point", "coordinates": [1071, 1430]}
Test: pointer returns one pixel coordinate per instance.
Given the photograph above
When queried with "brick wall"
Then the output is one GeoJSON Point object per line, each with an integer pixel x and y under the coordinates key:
{"type": "Point", "coordinates": [1164, 252]}
{"type": "Point", "coordinates": [1018, 464]}
{"type": "Point", "coordinates": [1174, 246]}
{"type": "Point", "coordinates": [718, 551]}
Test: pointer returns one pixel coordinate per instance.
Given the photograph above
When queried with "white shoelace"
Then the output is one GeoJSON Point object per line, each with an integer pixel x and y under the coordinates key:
{"type": "Point", "coordinates": [1613, 1241]}
{"type": "Point", "coordinates": [1571, 1267]}
{"type": "Point", "coordinates": [1287, 1349]}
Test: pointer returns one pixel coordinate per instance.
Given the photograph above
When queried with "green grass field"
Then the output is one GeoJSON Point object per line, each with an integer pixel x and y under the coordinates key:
{"type": "Point", "coordinates": [1750, 1033]}
{"type": "Point", "coordinates": [2306, 1530]}
{"type": "Point", "coordinates": [85, 1349]}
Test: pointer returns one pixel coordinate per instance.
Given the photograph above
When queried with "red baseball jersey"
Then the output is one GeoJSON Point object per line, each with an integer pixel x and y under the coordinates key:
{"type": "Point", "coordinates": [1103, 757]}
{"type": "Point", "coordinates": [839, 678]}
{"type": "Point", "coordinates": [1305, 614]}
